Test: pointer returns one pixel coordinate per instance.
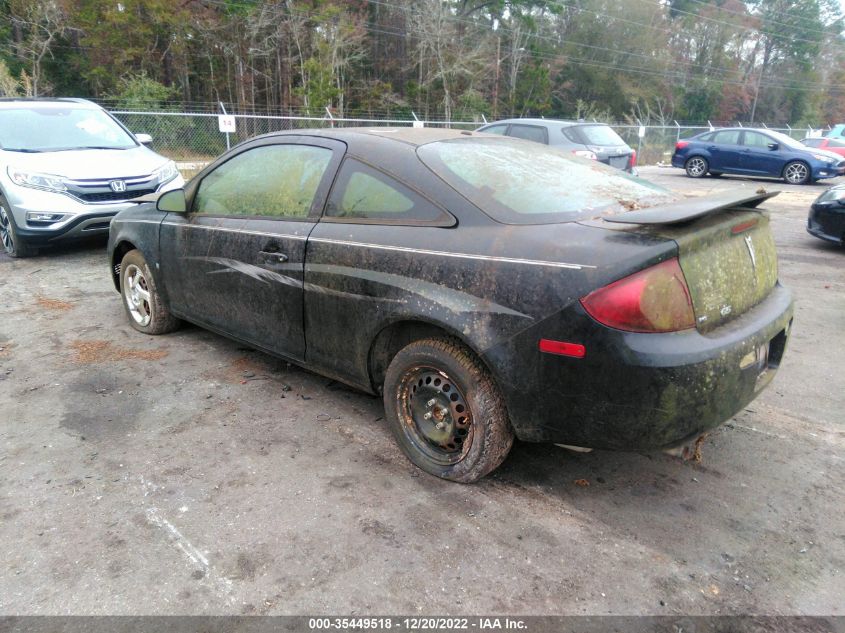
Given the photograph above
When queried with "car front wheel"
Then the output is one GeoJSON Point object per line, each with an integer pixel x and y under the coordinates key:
{"type": "Point", "coordinates": [144, 306]}
{"type": "Point", "coordinates": [12, 244]}
{"type": "Point", "coordinates": [446, 411]}
{"type": "Point", "coordinates": [696, 167]}
{"type": "Point", "coordinates": [796, 173]}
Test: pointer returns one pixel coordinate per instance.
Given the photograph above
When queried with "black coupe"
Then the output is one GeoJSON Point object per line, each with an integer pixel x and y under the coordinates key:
{"type": "Point", "coordinates": [488, 287]}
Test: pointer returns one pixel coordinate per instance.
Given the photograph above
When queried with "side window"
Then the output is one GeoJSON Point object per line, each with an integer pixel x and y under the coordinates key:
{"type": "Point", "coordinates": [364, 193]}
{"type": "Point", "coordinates": [570, 135]}
{"type": "Point", "coordinates": [727, 137]}
{"type": "Point", "coordinates": [495, 129]}
{"type": "Point", "coordinates": [814, 142]}
{"type": "Point", "coordinates": [272, 180]}
{"type": "Point", "coordinates": [707, 138]}
{"type": "Point", "coordinates": [756, 140]}
{"type": "Point", "coordinates": [529, 133]}
{"type": "Point", "coordinates": [834, 143]}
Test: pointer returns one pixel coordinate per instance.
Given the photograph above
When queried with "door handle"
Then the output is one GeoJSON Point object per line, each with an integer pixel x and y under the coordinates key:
{"type": "Point", "coordinates": [278, 257]}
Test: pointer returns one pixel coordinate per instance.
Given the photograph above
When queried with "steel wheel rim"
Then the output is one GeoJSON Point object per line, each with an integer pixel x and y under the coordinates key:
{"type": "Point", "coordinates": [696, 166]}
{"type": "Point", "coordinates": [434, 415]}
{"type": "Point", "coordinates": [136, 293]}
{"type": "Point", "coordinates": [6, 231]}
{"type": "Point", "coordinates": [796, 173]}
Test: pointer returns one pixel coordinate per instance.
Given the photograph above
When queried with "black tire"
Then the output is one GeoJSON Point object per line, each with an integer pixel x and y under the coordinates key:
{"type": "Point", "coordinates": [715, 174]}
{"type": "Point", "coordinates": [696, 166]}
{"type": "Point", "coordinates": [796, 172]}
{"type": "Point", "coordinates": [13, 246]}
{"type": "Point", "coordinates": [146, 310]}
{"type": "Point", "coordinates": [475, 436]}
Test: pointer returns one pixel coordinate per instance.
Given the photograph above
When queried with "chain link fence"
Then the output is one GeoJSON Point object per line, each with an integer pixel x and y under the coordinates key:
{"type": "Point", "coordinates": [193, 139]}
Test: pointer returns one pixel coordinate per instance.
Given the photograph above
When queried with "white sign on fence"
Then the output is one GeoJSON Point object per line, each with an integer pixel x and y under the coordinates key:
{"type": "Point", "coordinates": [641, 132]}
{"type": "Point", "coordinates": [226, 123]}
{"type": "Point", "coordinates": [419, 124]}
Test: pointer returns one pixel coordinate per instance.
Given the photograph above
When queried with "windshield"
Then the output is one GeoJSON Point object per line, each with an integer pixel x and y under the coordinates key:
{"type": "Point", "coordinates": [51, 129]}
{"type": "Point", "coordinates": [517, 182]}
{"type": "Point", "coordinates": [600, 135]}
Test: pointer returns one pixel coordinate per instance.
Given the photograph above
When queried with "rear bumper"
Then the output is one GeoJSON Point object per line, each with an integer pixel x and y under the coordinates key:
{"type": "Point", "coordinates": [637, 391]}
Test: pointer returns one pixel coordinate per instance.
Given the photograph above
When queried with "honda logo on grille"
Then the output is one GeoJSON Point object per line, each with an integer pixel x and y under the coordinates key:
{"type": "Point", "coordinates": [117, 186]}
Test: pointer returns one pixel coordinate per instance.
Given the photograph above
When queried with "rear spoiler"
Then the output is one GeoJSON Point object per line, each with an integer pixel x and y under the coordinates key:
{"type": "Point", "coordinates": [687, 210]}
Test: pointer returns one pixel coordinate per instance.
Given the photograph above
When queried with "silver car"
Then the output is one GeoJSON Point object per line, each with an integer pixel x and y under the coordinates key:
{"type": "Point", "coordinates": [66, 168]}
{"type": "Point", "coordinates": [595, 141]}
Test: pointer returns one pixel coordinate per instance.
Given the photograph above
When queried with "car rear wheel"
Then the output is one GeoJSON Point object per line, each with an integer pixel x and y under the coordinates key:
{"type": "Point", "coordinates": [446, 411]}
{"type": "Point", "coordinates": [696, 167]}
{"type": "Point", "coordinates": [144, 306]}
{"type": "Point", "coordinates": [12, 244]}
{"type": "Point", "coordinates": [796, 173]}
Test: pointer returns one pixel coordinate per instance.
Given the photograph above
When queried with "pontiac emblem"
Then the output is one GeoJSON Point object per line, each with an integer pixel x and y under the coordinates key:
{"type": "Point", "coordinates": [118, 186]}
{"type": "Point", "coordinates": [750, 246]}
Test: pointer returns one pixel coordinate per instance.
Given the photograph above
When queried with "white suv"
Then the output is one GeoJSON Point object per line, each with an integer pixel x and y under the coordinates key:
{"type": "Point", "coordinates": [66, 168]}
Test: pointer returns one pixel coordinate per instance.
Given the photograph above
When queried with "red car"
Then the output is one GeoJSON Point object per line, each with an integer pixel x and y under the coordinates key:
{"type": "Point", "coordinates": [834, 145]}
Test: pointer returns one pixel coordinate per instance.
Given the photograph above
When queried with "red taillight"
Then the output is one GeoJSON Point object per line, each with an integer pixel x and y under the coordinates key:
{"type": "Point", "coordinates": [656, 299]}
{"type": "Point", "coordinates": [633, 162]}
{"type": "Point", "coordinates": [680, 145]}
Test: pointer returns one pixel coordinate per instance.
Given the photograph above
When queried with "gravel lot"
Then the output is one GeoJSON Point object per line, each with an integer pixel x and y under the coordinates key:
{"type": "Point", "coordinates": [185, 474]}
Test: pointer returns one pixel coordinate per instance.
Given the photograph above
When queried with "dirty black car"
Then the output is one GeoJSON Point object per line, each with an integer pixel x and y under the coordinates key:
{"type": "Point", "coordinates": [826, 219]}
{"type": "Point", "coordinates": [487, 287]}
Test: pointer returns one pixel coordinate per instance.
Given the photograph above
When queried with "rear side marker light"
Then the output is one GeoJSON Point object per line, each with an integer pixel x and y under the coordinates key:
{"type": "Point", "coordinates": [744, 226]}
{"type": "Point", "coordinates": [562, 349]}
{"type": "Point", "coordinates": [656, 299]}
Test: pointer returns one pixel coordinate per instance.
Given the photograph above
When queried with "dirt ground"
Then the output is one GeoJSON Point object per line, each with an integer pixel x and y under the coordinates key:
{"type": "Point", "coordinates": [186, 474]}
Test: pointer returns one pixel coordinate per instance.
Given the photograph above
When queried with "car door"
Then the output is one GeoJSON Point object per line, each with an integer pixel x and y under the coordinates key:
{"type": "Point", "coordinates": [364, 267]}
{"type": "Point", "coordinates": [724, 150]}
{"type": "Point", "coordinates": [757, 155]}
{"type": "Point", "coordinates": [235, 261]}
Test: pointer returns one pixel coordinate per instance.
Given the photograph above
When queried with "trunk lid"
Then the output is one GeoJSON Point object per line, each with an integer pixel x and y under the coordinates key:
{"type": "Point", "coordinates": [725, 249]}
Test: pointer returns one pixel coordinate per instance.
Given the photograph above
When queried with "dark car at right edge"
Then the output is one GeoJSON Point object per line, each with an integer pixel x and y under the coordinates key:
{"type": "Point", "coordinates": [826, 220]}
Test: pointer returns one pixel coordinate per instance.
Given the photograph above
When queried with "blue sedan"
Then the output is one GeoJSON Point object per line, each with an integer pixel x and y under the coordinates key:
{"type": "Point", "coordinates": [752, 152]}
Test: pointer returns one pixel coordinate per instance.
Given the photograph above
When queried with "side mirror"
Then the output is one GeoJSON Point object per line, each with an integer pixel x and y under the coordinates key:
{"type": "Point", "coordinates": [144, 139]}
{"type": "Point", "coordinates": [172, 201]}
{"type": "Point", "coordinates": [773, 146]}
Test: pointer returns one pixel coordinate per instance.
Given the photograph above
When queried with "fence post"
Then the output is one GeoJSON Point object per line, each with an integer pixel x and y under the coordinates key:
{"type": "Point", "coordinates": [331, 118]}
{"type": "Point", "coordinates": [678, 134]}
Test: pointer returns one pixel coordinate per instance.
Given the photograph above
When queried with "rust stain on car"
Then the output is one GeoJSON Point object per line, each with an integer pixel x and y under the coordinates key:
{"type": "Point", "coordinates": [104, 351]}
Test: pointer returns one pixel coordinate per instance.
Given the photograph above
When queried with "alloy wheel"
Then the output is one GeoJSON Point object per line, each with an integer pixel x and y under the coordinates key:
{"type": "Point", "coordinates": [796, 173]}
{"type": "Point", "coordinates": [136, 293]}
{"type": "Point", "coordinates": [6, 230]}
{"type": "Point", "coordinates": [696, 167]}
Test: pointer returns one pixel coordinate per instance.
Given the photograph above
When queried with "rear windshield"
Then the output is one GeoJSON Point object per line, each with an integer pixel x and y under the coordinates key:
{"type": "Point", "coordinates": [517, 182]}
{"type": "Point", "coordinates": [600, 135]}
{"type": "Point", "coordinates": [53, 129]}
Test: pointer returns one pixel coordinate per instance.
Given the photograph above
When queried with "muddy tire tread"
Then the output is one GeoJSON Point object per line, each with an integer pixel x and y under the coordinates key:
{"type": "Point", "coordinates": [162, 321]}
{"type": "Point", "coordinates": [489, 411]}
